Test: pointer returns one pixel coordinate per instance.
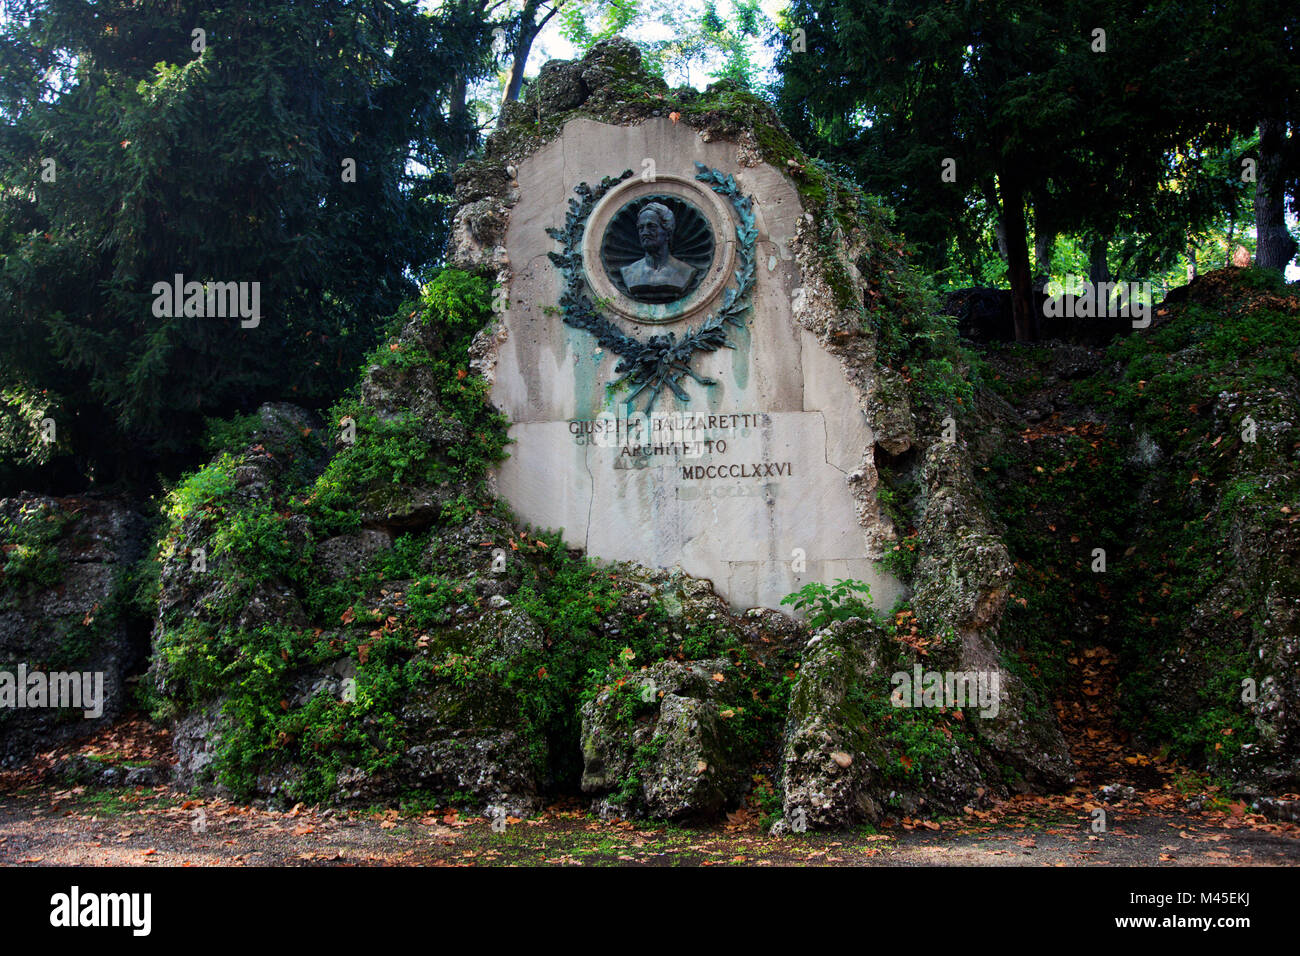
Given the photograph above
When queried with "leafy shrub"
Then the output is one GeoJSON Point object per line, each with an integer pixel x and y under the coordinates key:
{"type": "Point", "coordinates": [207, 487]}
{"type": "Point", "coordinates": [30, 553]}
{"type": "Point", "coordinates": [843, 600]}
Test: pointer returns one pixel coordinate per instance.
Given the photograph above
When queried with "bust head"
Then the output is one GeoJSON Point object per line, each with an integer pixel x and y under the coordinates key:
{"type": "Point", "coordinates": [654, 227]}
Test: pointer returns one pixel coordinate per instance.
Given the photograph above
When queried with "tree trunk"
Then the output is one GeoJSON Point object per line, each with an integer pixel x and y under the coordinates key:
{"type": "Point", "coordinates": [1274, 247]}
{"type": "Point", "coordinates": [463, 137]}
{"type": "Point", "coordinates": [519, 59]}
{"type": "Point", "coordinates": [999, 227]}
{"type": "Point", "coordinates": [529, 28]}
{"type": "Point", "coordinates": [1191, 259]}
{"type": "Point", "coordinates": [1044, 240]}
{"type": "Point", "coordinates": [1017, 251]}
{"type": "Point", "coordinates": [1098, 267]}
{"type": "Point", "coordinates": [460, 142]}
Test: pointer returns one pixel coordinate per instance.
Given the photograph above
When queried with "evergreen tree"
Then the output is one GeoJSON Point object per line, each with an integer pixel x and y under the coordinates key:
{"type": "Point", "coordinates": [297, 145]}
{"type": "Point", "coordinates": [1076, 115]}
{"type": "Point", "coordinates": [1268, 96]}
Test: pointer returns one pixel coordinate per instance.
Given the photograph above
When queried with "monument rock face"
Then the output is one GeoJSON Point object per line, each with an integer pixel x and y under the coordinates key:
{"type": "Point", "coordinates": [658, 355]}
{"type": "Point", "coordinates": [719, 370]}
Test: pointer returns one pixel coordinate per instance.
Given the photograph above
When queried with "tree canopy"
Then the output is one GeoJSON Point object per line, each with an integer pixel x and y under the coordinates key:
{"type": "Point", "coordinates": [1093, 119]}
{"type": "Point", "coordinates": [303, 151]}
{"type": "Point", "coordinates": [294, 145]}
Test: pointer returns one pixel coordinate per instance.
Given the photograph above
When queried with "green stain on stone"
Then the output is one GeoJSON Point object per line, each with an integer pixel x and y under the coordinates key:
{"type": "Point", "coordinates": [740, 356]}
{"type": "Point", "coordinates": [587, 391]}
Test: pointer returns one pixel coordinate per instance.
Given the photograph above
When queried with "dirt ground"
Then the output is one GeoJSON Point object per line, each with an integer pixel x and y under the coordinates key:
{"type": "Point", "coordinates": [1169, 818]}
{"type": "Point", "coordinates": [157, 826]}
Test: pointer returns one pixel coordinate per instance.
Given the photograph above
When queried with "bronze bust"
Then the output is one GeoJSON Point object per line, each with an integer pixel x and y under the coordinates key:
{"type": "Point", "coordinates": [658, 272]}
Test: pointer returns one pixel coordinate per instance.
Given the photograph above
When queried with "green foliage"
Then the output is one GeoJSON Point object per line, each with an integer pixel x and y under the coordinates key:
{"type": "Point", "coordinates": [430, 601]}
{"type": "Point", "coordinates": [900, 558]}
{"type": "Point", "coordinates": [900, 91]}
{"type": "Point", "coordinates": [571, 600]}
{"type": "Point", "coordinates": [206, 488]}
{"type": "Point", "coordinates": [24, 451]}
{"type": "Point", "coordinates": [1244, 347]}
{"type": "Point", "coordinates": [898, 302]}
{"type": "Point", "coordinates": [717, 43]}
{"type": "Point", "coordinates": [222, 434]}
{"type": "Point", "coordinates": [459, 304]}
{"type": "Point", "coordinates": [1262, 280]}
{"type": "Point", "coordinates": [254, 540]}
{"type": "Point", "coordinates": [225, 164]}
{"type": "Point", "coordinates": [771, 806]}
{"type": "Point", "coordinates": [396, 450]}
{"type": "Point", "coordinates": [1167, 527]}
{"type": "Point", "coordinates": [202, 656]}
{"type": "Point", "coordinates": [843, 600]}
{"type": "Point", "coordinates": [645, 755]}
{"type": "Point", "coordinates": [28, 546]}
{"type": "Point", "coordinates": [909, 745]}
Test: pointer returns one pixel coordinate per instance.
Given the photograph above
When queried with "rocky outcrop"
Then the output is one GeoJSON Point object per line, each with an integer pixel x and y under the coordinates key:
{"type": "Point", "coordinates": [1151, 492]}
{"type": "Point", "coordinates": [199, 580]}
{"type": "Point", "coordinates": [438, 677]}
{"type": "Point", "coordinates": [863, 741]}
{"type": "Point", "coordinates": [1254, 609]}
{"type": "Point", "coordinates": [663, 742]}
{"type": "Point", "coordinates": [459, 735]}
{"type": "Point", "coordinates": [462, 737]}
{"type": "Point", "coordinates": [66, 591]}
{"type": "Point", "coordinates": [832, 766]}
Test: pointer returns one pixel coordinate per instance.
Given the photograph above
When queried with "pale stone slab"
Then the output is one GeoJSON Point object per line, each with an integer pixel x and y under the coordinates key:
{"type": "Point", "coordinates": [549, 484]}
{"type": "Point", "coordinates": [848, 435]}
{"type": "Point", "coordinates": [799, 425]}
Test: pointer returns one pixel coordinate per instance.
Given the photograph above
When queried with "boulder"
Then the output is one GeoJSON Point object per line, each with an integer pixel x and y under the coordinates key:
{"type": "Point", "coordinates": [65, 608]}
{"type": "Point", "coordinates": [857, 748]}
{"type": "Point", "coordinates": [662, 742]}
{"type": "Point", "coordinates": [339, 557]}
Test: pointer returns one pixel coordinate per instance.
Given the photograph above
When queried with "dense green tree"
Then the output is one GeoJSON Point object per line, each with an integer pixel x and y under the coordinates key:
{"type": "Point", "coordinates": [1268, 92]}
{"type": "Point", "coordinates": [299, 145]}
{"type": "Point", "coordinates": [1074, 117]}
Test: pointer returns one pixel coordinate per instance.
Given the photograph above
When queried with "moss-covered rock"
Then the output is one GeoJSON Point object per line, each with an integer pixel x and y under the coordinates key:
{"type": "Point", "coordinates": [861, 745]}
{"type": "Point", "coordinates": [1149, 495]}
{"type": "Point", "coordinates": [664, 742]}
{"type": "Point", "coordinates": [68, 588]}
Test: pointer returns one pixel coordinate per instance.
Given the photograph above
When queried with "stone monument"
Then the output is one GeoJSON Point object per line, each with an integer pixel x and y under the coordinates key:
{"type": "Point", "coordinates": [670, 404]}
